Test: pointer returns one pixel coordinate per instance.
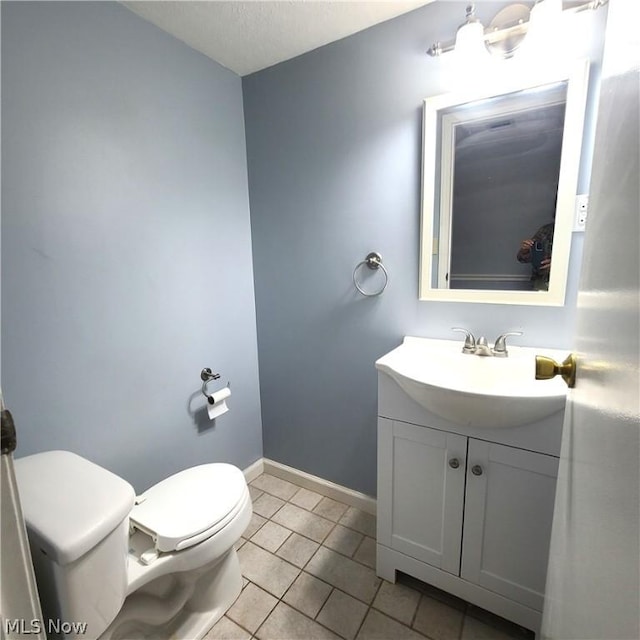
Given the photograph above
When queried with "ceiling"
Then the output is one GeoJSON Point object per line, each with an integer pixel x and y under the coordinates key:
{"type": "Point", "coordinates": [249, 36]}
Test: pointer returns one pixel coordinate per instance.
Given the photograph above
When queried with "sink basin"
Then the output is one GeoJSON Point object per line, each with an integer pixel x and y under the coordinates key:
{"type": "Point", "coordinates": [475, 391]}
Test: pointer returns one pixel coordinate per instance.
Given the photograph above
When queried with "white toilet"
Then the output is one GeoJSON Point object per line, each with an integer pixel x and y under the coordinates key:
{"type": "Point", "coordinates": [160, 565]}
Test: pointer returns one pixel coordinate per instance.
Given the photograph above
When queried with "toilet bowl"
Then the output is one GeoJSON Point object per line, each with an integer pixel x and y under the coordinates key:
{"type": "Point", "coordinates": [160, 565]}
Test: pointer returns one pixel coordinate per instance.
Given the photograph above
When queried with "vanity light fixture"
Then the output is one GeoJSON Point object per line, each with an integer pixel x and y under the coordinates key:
{"type": "Point", "coordinates": [470, 36]}
{"type": "Point", "coordinates": [508, 28]}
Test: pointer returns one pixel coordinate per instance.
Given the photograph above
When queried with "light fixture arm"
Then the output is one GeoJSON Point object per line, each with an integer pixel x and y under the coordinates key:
{"type": "Point", "coordinates": [515, 29]}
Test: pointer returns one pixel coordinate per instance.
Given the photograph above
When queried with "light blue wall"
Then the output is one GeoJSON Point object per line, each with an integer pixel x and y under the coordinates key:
{"type": "Point", "coordinates": [126, 257]}
{"type": "Point", "coordinates": [334, 153]}
{"type": "Point", "coordinates": [126, 247]}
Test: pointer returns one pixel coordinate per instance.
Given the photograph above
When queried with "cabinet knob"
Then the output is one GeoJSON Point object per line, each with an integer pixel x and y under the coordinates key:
{"type": "Point", "coordinates": [454, 463]}
{"type": "Point", "coordinates": [476, 470]}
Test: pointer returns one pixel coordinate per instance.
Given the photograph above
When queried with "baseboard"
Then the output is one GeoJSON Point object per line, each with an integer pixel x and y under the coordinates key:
{"type": "Point", "coordinates": [254, 470]}
{"type": "Point", "coordinates": [320, 485]}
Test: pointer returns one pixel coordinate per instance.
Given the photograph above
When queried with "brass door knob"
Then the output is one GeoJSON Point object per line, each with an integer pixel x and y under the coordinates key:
{"type": "Point", "coordinates": [547, 368]}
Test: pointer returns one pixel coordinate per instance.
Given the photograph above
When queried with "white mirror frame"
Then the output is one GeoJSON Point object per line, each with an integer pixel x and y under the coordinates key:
{"type": "Point", "coordinates": [577, 78]}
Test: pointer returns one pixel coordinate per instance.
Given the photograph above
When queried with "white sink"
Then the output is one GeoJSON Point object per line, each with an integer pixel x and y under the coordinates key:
{"type": "Point", "coordinates": [475, 391]}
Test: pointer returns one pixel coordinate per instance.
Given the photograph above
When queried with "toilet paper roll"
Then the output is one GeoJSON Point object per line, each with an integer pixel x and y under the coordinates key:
{"type": "Point", "coordinates": [219, 405]}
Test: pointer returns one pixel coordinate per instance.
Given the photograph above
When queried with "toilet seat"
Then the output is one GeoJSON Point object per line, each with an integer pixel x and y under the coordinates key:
{"type": "Point", "coordinates": [190, 506]}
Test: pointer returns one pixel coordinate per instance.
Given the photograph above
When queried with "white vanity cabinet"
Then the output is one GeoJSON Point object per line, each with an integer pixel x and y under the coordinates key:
{"type": "Point", "coordinates": [420, 493]}
{"type": "Point", "coordinates": [508, 515]}
{"type": "Point", "coordinates": [466, 510]}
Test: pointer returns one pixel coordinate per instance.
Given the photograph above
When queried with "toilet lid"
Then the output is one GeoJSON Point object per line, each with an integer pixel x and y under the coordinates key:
{"type": "Point", "coordinates": [189, 506]}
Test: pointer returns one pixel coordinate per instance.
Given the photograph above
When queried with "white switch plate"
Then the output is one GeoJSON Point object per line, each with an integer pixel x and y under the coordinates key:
{"type": "Point", "coordinates": [582, 209]}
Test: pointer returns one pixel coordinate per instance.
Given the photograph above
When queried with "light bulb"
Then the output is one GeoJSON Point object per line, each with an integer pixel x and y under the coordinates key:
{"type": "Point", "coordinates": [543, 34]}
{"type": "Point", "coordinates": [546, 11]}
{"type": "Point", "coordinates": [470, 40]}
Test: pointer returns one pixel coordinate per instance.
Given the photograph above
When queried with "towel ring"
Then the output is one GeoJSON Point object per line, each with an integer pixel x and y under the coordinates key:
{"type": "Point", "coordinates": [374, 262]}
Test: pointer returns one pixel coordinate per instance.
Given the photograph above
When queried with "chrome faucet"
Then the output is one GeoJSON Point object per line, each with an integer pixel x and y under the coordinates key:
{"type": "Point", "coordinates": [469, 341]}
{"type": "Point", "coordinates": [500, 347]}
{"type": "Point", "coordinates": [480, 347]}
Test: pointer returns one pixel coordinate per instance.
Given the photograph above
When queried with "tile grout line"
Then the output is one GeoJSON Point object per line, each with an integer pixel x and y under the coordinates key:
{"type": "Point", "coordinates": [415, 613]}
{"type": "Point", "coordinates": [335, 523]}
{"type": "Point", "coordinates": [375, 595]}
{"type": "Point", "coordinates": [347, 507]}
{"type": "Point", "coordinates": [302, 570]}
{"type": "Point", "coordinates": [226, 613]}
{"type": "Point", "coordinates": [369, 605]}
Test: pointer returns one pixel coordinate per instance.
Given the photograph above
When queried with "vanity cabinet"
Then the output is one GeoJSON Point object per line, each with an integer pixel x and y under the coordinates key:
{"type": "Point", "coordinates": [468, 511]}
{"type": "Point", "coordinates": [508, 515]}
{"type": "Point", "coordinates": [421, 492]}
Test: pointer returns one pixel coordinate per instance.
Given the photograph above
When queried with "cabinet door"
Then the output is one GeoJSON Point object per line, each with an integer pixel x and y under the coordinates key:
{"type": "Point", "coordinates": [421, 492]}
{"type": "Point", "coordinates": [507, 522]}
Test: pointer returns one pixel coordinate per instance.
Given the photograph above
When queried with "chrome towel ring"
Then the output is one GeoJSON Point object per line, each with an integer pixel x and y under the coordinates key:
{"type": "Point", "coordinates": [372, 261]}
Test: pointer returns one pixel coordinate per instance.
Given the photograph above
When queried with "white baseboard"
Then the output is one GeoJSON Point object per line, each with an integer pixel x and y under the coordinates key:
{"type": "Point", "coordinates": [319, 485]}
{"type": "Point", "coordinates": [254, 470]}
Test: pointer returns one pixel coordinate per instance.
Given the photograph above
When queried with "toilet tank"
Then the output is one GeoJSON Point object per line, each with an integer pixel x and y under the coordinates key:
{"type": "Point", "coordinates": [76, 515]}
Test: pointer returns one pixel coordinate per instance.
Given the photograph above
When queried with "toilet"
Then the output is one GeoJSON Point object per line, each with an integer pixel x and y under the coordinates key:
{"type": "Point", "coordinates": [156, 566]}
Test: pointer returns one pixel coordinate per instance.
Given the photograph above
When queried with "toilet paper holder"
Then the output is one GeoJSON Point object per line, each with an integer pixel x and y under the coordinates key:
{"type": "Point", "coordinates": [206, 375]}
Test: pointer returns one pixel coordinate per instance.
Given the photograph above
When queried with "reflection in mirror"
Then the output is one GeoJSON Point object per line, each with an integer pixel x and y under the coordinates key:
{"type": "Point", "coordinates": [505, 164]}
{"type": "Point", "coordinates": [500, 177]}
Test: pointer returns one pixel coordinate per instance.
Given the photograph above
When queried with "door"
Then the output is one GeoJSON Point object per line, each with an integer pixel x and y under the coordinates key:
{"type": "Point", "coordinates": [20, 613]}
{"type": "Point", "coordinates": [507, 522]}
{"type": "Point", "coordinates": [421, 492]}
{"type": "Point", "coordinates": [593, 577]}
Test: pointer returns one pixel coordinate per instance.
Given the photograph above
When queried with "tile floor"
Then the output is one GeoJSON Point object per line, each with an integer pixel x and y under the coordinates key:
{"type": "Point", "coordinates": [308, 566]}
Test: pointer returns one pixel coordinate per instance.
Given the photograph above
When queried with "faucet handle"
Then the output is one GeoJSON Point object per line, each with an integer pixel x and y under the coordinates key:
{"type": "Point", "coordinates": [500, 346]}
{"type": "Point", "coordinates": [469, 341]}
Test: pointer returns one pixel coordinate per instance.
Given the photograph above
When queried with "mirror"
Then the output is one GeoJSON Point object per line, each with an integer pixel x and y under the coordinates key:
{"type": "Point", "coordinates": [500, 173]}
